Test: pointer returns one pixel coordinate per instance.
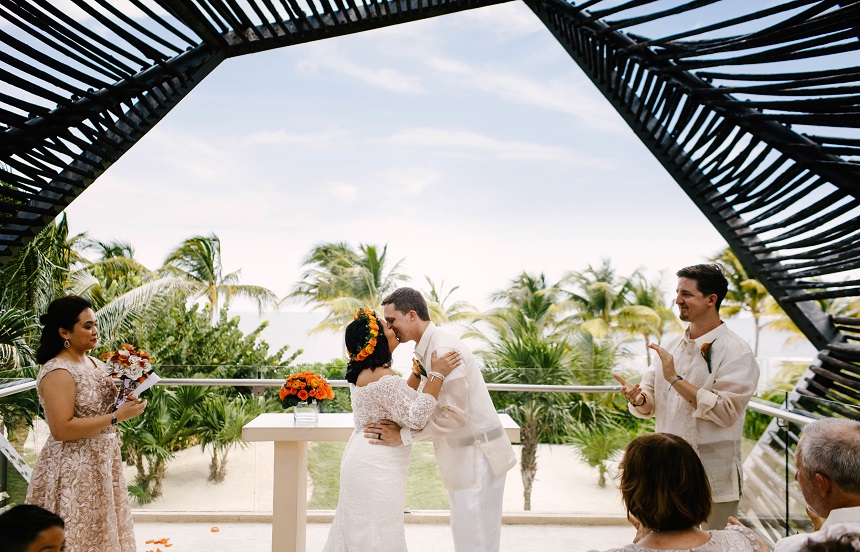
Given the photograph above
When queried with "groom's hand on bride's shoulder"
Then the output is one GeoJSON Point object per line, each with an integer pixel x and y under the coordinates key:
{"type": "Point", "coordinates": [384, 432]}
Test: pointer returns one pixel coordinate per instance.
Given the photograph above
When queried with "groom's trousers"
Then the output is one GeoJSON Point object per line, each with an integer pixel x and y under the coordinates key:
{"type": "Point", "coordinates": [476, 511]}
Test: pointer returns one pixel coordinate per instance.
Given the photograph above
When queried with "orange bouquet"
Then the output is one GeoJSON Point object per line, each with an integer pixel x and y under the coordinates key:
{"type": "Point", "coordinates": [305, 386]}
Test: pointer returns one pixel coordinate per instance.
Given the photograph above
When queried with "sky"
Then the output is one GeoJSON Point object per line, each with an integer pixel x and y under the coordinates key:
{"type": "Point", "coordinates": [471, 144]}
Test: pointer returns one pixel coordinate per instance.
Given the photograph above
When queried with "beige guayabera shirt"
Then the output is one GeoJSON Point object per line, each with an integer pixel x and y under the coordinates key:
{"type": "Point", "coordinates": [715, 427]}
{"type": "Point", "coordinates": [465, 422]}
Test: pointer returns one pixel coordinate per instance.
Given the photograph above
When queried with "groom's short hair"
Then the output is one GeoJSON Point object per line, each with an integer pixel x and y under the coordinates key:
{"type": "Point", "coordinates": [407, 299]}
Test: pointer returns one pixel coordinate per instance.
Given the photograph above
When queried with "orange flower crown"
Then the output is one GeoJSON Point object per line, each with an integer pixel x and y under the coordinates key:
{"type": "Point", "coordinates": [373, 332]}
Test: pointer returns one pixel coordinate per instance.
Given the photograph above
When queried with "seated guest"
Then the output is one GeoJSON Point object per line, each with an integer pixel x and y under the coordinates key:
{"type": "Point", "coordinates": [28, 528]}
{"type": "Point", "coordinates": [828, 472]}
{"type": "Point", "coordinates": [847, 542]}
{"type": "Point", "coordinates": [667, 495]}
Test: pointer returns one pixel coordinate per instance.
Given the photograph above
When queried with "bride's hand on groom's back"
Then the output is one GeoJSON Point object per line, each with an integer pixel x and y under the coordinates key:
{"type": "Point", "coordinates": [446, 363]}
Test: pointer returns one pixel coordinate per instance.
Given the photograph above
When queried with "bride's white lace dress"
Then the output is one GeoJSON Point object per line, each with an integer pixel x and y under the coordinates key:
{"type": "Point", "coordinates": [369, 514]}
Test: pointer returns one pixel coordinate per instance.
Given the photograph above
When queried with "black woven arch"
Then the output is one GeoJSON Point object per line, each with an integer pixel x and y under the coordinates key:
{"type": "Point", "coordinates": [754, 111]}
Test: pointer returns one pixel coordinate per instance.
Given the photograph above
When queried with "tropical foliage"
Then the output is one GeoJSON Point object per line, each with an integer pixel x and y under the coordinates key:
{"type": "Point", "coordinates": [197, 261]}
{"type": "Point", "coordinates": [529, 341]}
{"type": "Point", "coordinates": [340, 279]}
{"type": "Point", "coordinates": [745, 294]}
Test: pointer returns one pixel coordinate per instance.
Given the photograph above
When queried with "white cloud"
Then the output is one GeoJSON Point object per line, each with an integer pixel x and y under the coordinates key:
{"type": "Point", "coordinates": [458, 143]}
{"type": "Point", "coordinates": [386, 78]}
{"type": "Point", "coordinates": [412, 180]}
{"type": "Point", "coordinates": [314, 140]}
{"type": "Point", "coordinates": [507, 20]}
{"type": "Point", "coordinates": [557, 95]}
{"type": "Point", "coordinates": [346, 193]}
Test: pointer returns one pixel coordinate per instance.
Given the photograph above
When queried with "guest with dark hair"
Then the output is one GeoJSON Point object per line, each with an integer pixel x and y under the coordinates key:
{"type": "Point", "coordinates": [28, 528]}
{"type": "Point", "coordinates": [665, 489]}
{"type": "Point", "coordinates": [79, 472]}
{"type": "Point", "coordinates": [370, 506]}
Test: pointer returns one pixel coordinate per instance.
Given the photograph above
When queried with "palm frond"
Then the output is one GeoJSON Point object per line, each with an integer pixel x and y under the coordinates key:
{"type": "Point", "coordinates": [119, 317]}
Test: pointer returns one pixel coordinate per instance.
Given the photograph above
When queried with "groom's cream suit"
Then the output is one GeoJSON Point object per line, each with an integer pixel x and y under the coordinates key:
{"type": "Point", "coordinates": [472, 449]}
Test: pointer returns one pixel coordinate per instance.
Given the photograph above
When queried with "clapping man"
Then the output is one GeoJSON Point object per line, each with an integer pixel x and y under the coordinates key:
{"type": "Point", "coordinates": [701, 390]}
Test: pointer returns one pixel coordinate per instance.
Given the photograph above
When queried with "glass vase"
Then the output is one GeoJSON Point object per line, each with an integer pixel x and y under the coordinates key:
{"type": "Point", "coordinates": [306, 413]}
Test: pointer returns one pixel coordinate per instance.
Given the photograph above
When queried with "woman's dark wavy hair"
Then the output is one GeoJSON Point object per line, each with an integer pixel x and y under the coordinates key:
{"type": "Point", "coordinates": [20, 526]}
{"type": "Point", "coordinates": [355, 338]}
{"type": "Point", "coordinates": [62, 313]}
{"type": "Point", "coordinates": [663, 483]}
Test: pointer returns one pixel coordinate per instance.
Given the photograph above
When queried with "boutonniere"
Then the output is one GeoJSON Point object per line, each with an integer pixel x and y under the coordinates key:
{"type": "Point", "coordinates": [418, 368]}
{"type": "Point", "coordinates": [707, 350]}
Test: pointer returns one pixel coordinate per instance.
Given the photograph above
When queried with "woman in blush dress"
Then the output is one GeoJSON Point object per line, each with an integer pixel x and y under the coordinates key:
{"type": "Point", "coordinates": [369, 514]}
{"type": "Point", "coordinates": [666, 491]}
{"type": "Point", "coordinates": [78, 475]}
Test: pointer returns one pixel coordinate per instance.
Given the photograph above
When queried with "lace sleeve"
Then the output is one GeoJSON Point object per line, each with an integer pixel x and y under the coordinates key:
{"type": "Point", "coordinates": [406, 406]}
{"type": "Point", "coordinates": [748, 540]}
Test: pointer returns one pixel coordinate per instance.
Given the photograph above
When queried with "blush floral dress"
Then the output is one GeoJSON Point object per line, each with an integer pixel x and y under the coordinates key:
{"type": "Point", "coordinates": [82, 480]}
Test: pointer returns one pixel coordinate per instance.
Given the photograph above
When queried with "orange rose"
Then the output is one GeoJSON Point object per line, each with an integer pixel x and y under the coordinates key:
{"type": "Point", "coordinates": [283, 393]}
{"type": "Point", "coordinates": [372, 342]}
{"type": "Point", "coordinates": [330, 393]}
{"type": "Point", "coordinates": [303, 395]}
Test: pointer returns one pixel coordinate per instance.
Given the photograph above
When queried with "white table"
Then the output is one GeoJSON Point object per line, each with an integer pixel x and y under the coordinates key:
{"type": "Point", "coordinates": [290, 484]}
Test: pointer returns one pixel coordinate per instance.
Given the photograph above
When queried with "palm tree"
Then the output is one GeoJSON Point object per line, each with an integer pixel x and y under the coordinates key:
{"type": "Point", "coordinates": [598, 442]}
{"type": "Point", "coordinates": [340, 280]}
{"type": "Point", "coordinates": [36, 274]}
{"type": "Point", "coordinates": [525, 346]}
{"type": "Point", "coordinates": [604, 303]}
{"type": "Point", "coordinates": [198, 261]}
{"type": "Point", "coordinates": [744, 294]}
{"type": "Point", "coordinates": [219, 422]}
{"type": "Point", "coordinates": [649, 293]}
{"type": "Point", "coordinates": [780, 322]}
{"type": "Point", "coordinates": [542, 417]}
{"type": "Point", "coordinates": [437, 303]}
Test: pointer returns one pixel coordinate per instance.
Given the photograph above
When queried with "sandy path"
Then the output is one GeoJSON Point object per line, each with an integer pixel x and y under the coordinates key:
{"type": "Point", "coordinates": [563, 484]}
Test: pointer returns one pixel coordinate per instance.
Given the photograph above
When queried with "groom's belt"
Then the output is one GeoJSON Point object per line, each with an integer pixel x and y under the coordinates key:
{"type": "Point", "coordinates": [476, 439]}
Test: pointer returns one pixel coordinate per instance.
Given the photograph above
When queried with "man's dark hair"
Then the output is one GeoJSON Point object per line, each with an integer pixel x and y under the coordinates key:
{"type": "Point", "coordinates": [407, 299]}
{"type": "Point", "coordinates": [709, 279]}
{"type": "Point", "coordinates": [21, 524]}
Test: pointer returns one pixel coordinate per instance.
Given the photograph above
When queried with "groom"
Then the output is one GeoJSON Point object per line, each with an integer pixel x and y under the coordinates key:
{"type": "Point", "coordinates": [472, 449]}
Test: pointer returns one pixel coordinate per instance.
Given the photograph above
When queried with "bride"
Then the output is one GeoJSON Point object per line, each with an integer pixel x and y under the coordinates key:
{"type": "Point", "coordinates": [369, 514]}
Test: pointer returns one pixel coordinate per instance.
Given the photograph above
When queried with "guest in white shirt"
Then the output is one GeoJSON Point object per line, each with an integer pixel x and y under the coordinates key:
{"type": "Point", "coordinates": [473, 451]}
{"type": "Point", "coordinates": [828, 472]}
{"type": "Point", "coordinates": [702, 389]}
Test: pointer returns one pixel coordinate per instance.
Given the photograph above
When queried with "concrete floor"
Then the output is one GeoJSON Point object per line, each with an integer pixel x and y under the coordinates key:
{"type": "Point", "coordinates": [256, 537]}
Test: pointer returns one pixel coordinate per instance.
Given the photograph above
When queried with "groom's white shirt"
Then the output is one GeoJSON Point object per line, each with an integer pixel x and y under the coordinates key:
{"type": "Point", "coordinates": [465, 422]}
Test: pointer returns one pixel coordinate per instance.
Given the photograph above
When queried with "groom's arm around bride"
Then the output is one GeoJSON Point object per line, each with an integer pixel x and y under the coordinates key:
{"type": "Point", "coordinates": [473, 451]}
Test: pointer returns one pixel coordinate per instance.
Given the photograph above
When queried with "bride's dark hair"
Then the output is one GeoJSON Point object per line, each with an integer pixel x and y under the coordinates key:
{"type": "Point", "coordinates": [356, 338]}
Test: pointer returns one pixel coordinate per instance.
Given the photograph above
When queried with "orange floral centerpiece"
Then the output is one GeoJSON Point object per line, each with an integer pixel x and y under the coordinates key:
{"type": "Point", "coordinates": [305, 387]}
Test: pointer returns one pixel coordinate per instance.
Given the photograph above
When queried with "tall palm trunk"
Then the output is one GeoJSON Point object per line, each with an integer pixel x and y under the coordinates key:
{"type": "Point", "coordinates": [528, 462]}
